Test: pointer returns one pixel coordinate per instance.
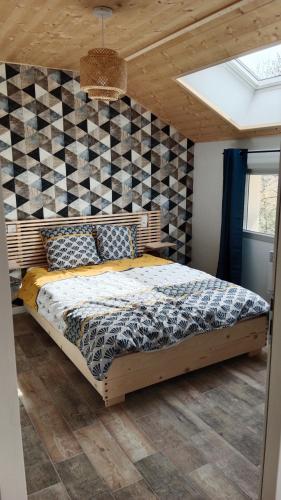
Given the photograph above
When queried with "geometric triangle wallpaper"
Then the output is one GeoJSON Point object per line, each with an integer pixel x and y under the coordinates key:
{"type": "Point", "coordinates": [62, 154]}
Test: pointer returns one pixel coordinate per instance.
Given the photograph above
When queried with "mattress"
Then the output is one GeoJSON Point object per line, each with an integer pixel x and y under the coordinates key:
{"type": "Point", "coordinates": [134, 305]}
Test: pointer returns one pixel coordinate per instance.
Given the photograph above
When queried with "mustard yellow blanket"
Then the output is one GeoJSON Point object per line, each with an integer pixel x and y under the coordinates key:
{"type": "Point", "coordinates": [37, 277]}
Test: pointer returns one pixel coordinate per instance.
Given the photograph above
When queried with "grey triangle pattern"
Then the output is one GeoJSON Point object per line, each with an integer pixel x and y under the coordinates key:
{"type": "Point", "coordinates": [62, 154]}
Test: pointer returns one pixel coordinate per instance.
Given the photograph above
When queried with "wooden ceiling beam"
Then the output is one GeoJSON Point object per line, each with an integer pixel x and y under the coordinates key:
{"type": "Point", "coordinates": [238, 4]}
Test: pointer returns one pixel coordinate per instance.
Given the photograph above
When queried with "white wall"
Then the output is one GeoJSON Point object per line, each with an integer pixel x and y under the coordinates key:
{"type": "Point", "coordinates": [239, 101]}
{"type": "Point", "coordinates": [207, 201]}
{"type": "Point", "coordinates": [12, 477]}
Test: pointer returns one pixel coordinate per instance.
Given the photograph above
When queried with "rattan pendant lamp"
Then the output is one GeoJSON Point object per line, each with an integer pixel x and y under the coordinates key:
{"type": "Point", "coordinates": [103, 74]}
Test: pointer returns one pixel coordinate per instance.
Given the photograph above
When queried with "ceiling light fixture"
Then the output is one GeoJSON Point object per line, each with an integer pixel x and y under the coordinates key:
{"type": "Point", "coordinates": [103, 74]}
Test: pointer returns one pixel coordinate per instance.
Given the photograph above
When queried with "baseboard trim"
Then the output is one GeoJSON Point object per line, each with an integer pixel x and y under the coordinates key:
{"type": "Point", "coordinates": [18, 310]}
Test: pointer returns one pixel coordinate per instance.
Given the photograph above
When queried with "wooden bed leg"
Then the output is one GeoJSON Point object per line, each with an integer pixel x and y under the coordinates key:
{"type": "Point", "coordinates": [257, 352]}
{"type": "Point", "coordinates": [114, 401]}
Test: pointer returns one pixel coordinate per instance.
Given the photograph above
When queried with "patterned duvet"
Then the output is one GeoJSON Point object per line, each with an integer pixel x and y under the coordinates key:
{"type": "Point", "coordinates": [141, 309]}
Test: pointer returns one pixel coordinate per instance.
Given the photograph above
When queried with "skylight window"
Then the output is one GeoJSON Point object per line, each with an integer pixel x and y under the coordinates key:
{"type": "Point", "coordinates": [264, 64]}
{"type": "Point", "coordinates": [246, 91]}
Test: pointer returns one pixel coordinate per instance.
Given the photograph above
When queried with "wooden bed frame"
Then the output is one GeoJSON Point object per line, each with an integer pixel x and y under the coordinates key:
{"type": "Point", "coordinates": [134, 371]}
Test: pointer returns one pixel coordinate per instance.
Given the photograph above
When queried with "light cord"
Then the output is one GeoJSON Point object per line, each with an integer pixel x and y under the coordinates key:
{"type": "Point", "coordinates": [102, 31]}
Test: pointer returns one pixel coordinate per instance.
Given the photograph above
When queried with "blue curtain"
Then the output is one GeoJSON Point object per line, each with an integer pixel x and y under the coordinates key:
{"type": "Point", "coordinates": [234, 179]}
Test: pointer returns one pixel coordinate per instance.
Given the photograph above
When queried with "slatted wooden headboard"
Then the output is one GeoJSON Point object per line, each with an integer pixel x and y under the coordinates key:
{"type": "Point", "coordinates": [25, 247]}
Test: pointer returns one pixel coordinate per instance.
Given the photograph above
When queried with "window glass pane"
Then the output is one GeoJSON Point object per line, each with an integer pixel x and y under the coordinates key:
{"type": "Point", "coordinates": [263, 64]}
{"type": "Point", "coordinates": [262, 200]}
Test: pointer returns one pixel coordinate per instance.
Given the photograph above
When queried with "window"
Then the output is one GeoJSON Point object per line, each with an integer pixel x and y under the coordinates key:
{"type": "Point", "coordinates": [261, 203]}
{"type": "Point", "coordinates": [263, 64]}
{"type": "Point", "coordinates": [246, 91]}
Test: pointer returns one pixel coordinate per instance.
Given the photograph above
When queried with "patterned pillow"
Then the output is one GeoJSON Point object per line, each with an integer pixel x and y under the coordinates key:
{"type": "Point", "coordinates": [117, 242]}
{"type": "Point", "coordinates": [69, 246]}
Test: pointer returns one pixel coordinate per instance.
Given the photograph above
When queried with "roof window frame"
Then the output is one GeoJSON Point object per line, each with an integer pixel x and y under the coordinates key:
{"type": "Point", "coordinates": [247, 76]}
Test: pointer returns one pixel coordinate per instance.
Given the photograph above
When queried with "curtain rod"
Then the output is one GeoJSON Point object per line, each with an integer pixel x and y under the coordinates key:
{"type": "Point", "coordinates": [265, 151]}
{"type": "Point", "coordinates": [262, 151]}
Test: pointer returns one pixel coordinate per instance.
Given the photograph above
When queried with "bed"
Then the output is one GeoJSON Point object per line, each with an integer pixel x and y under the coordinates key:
{"type": "Point", "coordinates": [132, 323]}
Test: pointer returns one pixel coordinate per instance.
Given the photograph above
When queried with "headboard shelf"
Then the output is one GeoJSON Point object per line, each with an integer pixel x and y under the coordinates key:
{"type": "Point", "coordinates": [25, 245]}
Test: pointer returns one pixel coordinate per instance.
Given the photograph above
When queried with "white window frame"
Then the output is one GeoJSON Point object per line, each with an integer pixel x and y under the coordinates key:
{"type": "Point", "coordinates": [247, 233]}
{"type": "Point", "coordinates": [247, 76]}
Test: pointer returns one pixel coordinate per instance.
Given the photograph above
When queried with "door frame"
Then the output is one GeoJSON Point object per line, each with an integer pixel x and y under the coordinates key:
{"type": "Point", "coordinates": [12, 474]}
{"type": "Point", "coordinates": [271, 470]}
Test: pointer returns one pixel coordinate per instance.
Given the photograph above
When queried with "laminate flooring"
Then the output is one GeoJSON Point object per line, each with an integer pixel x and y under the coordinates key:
{"type": "Point", "coordinates": [198, 436]}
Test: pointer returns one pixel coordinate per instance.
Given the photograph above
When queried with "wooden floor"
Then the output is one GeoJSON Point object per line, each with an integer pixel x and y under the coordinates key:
{"type": "Point", "coordinates": [198, 436]}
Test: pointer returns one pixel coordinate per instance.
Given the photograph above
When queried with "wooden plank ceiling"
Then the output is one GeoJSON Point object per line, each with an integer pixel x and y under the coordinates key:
{"type": "Point", "coordinates": [56, 33]}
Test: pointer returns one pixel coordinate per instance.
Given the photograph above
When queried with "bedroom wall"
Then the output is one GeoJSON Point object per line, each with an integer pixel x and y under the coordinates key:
{"type": "Point", "coordinates": [64, 155]}
{"type": "Point", "coordinates": [207, 201]}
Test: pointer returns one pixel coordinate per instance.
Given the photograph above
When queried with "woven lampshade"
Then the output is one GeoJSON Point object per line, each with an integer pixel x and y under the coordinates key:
{"type": "Point", "coordinates": [104, 95]}
{"type": "Point", "coordinates": [103, 74]}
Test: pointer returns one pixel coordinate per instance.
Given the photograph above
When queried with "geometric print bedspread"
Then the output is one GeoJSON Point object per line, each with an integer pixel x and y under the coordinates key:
{"type": "Point", "coordinates": [155, 317]}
